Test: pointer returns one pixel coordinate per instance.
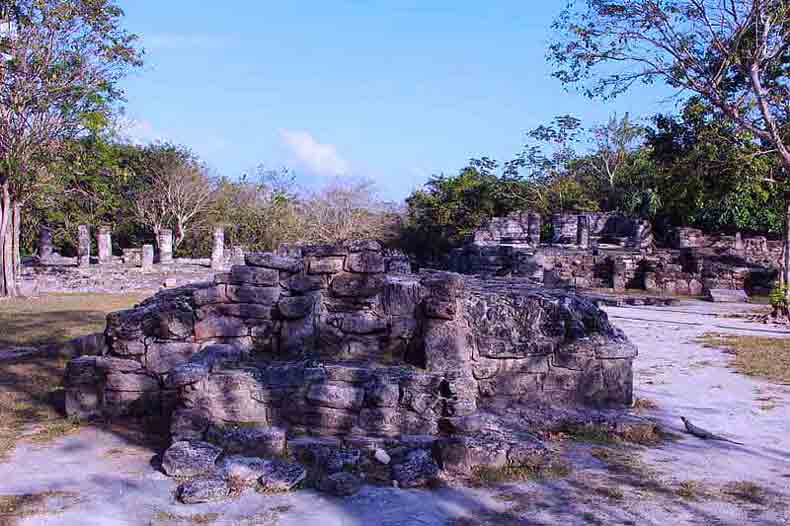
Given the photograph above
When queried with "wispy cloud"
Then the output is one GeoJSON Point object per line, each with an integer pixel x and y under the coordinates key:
{"type": "Point", "coordinates": [138, 131]}
{"type": "Point", "coordinates": [320, 159]}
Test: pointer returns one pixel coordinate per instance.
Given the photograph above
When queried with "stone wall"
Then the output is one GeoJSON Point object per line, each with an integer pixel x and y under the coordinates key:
{"type": "Point", "coordinates": [328, 343]}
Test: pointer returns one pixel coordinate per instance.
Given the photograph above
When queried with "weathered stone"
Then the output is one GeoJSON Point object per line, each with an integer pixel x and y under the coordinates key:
{"type": "Point", "coordinates": [727, 296]}
{"type": "Point", "coordinates": [130, 382]}
{"type": "Point", "coordinates": [361, 245]}
{"type": "Point", "coordinates": [461, 455]}
{"type": "Point", "coordinates": [380, 394]}
{"type": "Point", "coordinates": [186, 374]}
{"type": "Point", "coordinates": [341, 484]}
{"type": "Point", "coordinates": [325, 265]}
{"type": "Point", "coordinates": [365, 262]}
{"type": "Point", "coordinates": [296, 307]}
{"type": "Point", "coordinates": [418, 469]}
{"type": "Point", "coordinates": [250, 294]}
{"type": "Point", "coordinates": [362, 323]}
{"type": "Point", "coordinates": [260, 277]}
{"type": "Point", "coordinates": [147, 258]}
{"type": "Point", "coordinates": [161, 357]}
{"type": "Point", "coordinates": [381, 456]}
{"type": "Point", "coordinates": [211, 489]}
{"type": "Point", "coordinates": [439, 308]}
{"type": "Point", "coordinates": [109, 364]}
{"type": "Point", "coordinates": [279, 476]}
{"type": "Point", "coordinates": [82, 402]}
{"type": "Point", "coordinates": [189, 459]}
{"type": "Point", "coordinates": [337, 396]}
{"type": "Point", "coordinates": [104, 242]}
{"type": "Point", "coordinates": [221, 327]}
{"type": "Point", "coordinates": [237, 310]}
{"type": "Point", "coordinates": [165, 243]}
{"type": "Point", "coordinates": [401, 296]}
{"type": "Point", "coordinates": [241, 470]}
{"type": "Point", "coordinates": [250, 440]}
{"type": "Point", "coordinates": [188, 425]}
{"type": "Point", "coordinates": [273, 261]}
{"type": "Point", "coordinates": [83, 245]}
{"type": "Point", "coordinates": [218, 249]}
{"type": "Point", "coordinates": [301, 283]}
{"type": "Point", "coordinates": [82, 370]}
{"type": "Point", "coordinates": [209, 295]}
{"type": "Point", "coordinates": [356, 285]}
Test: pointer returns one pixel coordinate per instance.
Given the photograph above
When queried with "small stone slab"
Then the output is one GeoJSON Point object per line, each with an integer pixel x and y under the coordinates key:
{"type": "Point", "coordinates": [727, 296]}
{"type": "Point", "coordinates": [190, 458]}
{"type": "Point", "coordinates": [246, 470]}
{"type": "Point", "coordinates": [341, 484]}
{"type": "Point", "coordinates": [280, 476]}
{"type": "Point", "coordinates": [254, 441]}
{"type": "Point", "coordinates": [418, 469]}
{"type": "Point", "coordinates": [211, 489]}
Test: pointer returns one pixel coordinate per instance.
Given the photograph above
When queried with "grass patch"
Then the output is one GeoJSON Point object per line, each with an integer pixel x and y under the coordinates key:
{"type": "Point", "coordinates": [645, 404]}
{"type": "Point", "coordinates": [691, 490]}
{"type": "Point", "coordinates": [643, 433]}
{"type": "Point", "coordinates": [746, 491]}
{"type": "Point", "coordinates": [13, 508]}
{"type": "Point", "coordinates": [57, 318]}
{"type": "Point", "coordinates": [487, 476]}
{"type": "Point", "coordinates": [754, 355]}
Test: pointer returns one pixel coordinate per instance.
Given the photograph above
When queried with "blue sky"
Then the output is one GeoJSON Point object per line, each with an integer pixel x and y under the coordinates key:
{"type": "Point", "coordinates": [392, 91]}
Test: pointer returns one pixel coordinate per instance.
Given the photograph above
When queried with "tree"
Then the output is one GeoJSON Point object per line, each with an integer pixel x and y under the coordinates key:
{"type": "Point", "coordinates": [174, 192]}
{"type": "Point", "coordinates": [60, 63]}
{"type": "Point", "coordinates": [344, 210]}
{"type": "Point", "coordinates": [732, 53]}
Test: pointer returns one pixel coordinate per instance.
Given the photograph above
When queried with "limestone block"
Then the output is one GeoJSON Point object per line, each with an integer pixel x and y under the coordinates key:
{"type": "Point", "coordinates": [211, 488]}
{"type": "Point", "coordinates": [337, 396]}
{"type": "Point", "coordinates": [325, 265]}
{"type": "Point", "coordinates": [251, 439]}
{"type": "Point", "coordinates": [221, 327]}
{"type": "Point", "coordinates": [356, 285]}
{"type": "Point", "coordinates": [365, 262]}
{"type": "Point", "coordinates": [261, 277]}
{"type": "Point", "coordinates": [161, 357]}
{"type": "Point", "coordinates": [210, 295]}
{"type": "Point", "coordinates": [131, 382]}
{"type": "Point", "coordinates": [273, 261]}
{"type": "Point", "coordinates": [296, 307]}
{"type": "Point", "coordinates": [418, 469]}
{"type": "Point", "coordinates": [727, 296]}
{"type": "Point", "coordinates": [250, 294]}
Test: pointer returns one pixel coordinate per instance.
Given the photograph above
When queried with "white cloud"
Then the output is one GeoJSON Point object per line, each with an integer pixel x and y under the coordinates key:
{"type": "Point", "coordinates": [138, 132]}
{"type": "Point", "coordinates": [321, 159]}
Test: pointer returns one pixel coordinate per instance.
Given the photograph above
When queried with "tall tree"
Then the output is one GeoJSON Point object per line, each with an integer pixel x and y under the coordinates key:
{"type": "Point", "coordinates": [60, 63]}
{"type": "Point", "coordinates": [732, 53]}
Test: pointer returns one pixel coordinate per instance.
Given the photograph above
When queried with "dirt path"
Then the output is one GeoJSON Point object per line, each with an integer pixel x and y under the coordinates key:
{"type": "Point", "coordinates": [98, 478]}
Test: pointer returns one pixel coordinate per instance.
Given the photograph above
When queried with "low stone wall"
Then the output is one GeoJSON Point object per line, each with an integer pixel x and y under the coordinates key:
{"type": "Point", "coordinates": [324, 341]}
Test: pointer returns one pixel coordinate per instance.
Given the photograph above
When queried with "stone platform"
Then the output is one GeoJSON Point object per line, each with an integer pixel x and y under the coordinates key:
{"type": "Point", "coordinates": [324, 352]}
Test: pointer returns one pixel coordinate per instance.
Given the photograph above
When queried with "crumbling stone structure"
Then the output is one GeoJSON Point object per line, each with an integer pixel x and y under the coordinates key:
{"type": "Point", "coordinates": [614, 252]}
{"type": "Point", "coordinates": [332, 352]}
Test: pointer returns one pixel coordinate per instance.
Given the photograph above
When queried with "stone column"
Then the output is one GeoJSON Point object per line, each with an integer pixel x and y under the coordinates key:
{"type": "Point", "coordinates": [147, 259]}
{"type": "Point", "coordinates": [105, 245]}
{"type": "Point", "coordinates": [83, 246]}
{"type": "Point", "coordinates": [583, 232]}
{"type": "Point", "coordinates": [738, 242]}
{"type": "Point", "coordinates": [218, 252]}
{"type": "Point", "coordinates": [534, 225]}
{"type": "Point", "coordinates": [619, 275]}
{"type": "Point", "coordinates": [166, 246]}
{"type": "Point", "coordinates": [45, 248]}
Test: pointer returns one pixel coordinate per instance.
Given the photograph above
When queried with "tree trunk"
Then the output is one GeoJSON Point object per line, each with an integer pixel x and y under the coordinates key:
{"type": "Point", "coordinates": [7, 266]}
{"type": "Point", "coordinates": [785, 278]}
{"type": "Point", "coordinates": [17, 238]}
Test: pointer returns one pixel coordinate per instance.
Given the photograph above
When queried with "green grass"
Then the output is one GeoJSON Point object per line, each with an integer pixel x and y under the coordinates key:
{"type": "Point", "coordinates": [58, 318]}
{"type": "Point", "coordinates": [754, 355]}
{"type": "Point", "coordinates": [31, 395]}
{"type": "Point", "coordinates": [491, 476]}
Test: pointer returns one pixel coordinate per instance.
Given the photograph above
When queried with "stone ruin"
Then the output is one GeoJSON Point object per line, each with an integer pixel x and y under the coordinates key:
{"type": "Point", "coordinates": [136, 268]}
{"type": "Point", "coordinates": [333, 366]}
{"type": "Point", "coordinates": [609, 251]}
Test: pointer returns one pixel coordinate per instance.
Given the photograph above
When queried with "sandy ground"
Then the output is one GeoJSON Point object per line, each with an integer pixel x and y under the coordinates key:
{"type": "Point", "coordinates": [99, 478]}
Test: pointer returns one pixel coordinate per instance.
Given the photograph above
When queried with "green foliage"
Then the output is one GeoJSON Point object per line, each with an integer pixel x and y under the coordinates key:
{"type": "Point", "coordinates": [713, 176]}
{"type": "Point", "coordinates": [779, 298]}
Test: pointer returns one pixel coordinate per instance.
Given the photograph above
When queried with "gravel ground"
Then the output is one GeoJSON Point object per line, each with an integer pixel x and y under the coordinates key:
{"type": "Point", "coordinates": [99, 478]}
